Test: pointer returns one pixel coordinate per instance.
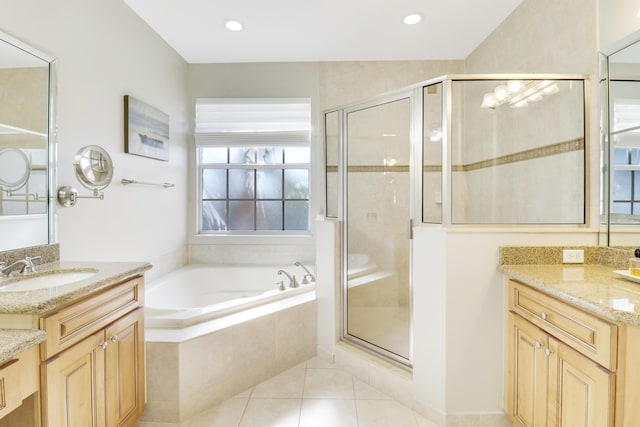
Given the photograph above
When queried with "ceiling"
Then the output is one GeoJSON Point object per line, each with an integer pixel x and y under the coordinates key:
{"type": "Point", "coordinates": [327, 30]}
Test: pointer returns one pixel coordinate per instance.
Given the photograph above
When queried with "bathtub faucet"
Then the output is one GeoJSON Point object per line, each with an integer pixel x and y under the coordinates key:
{"type": "Point", "coordinates": [293, 283]}
{"type": "Point", "coordinates": [307, 276]}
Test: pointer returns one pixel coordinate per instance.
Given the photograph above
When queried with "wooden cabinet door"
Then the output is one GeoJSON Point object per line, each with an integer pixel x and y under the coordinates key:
{"type": "Point", "coordinates": [124, 369]}
{"type": "Point", "coordinates": [581, 391]}
{"type": "Point", "coordinates": [527, 373]}
{"type": "Point", "coordinates": [73, 385]}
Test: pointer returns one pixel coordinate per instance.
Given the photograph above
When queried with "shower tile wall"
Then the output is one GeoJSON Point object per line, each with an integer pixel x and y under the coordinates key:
{"type": "Point", "coordinates": [252, 254]}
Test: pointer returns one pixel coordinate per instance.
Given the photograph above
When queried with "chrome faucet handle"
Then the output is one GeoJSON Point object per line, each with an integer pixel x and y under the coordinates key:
{"type": "Point", "coordinates": [29, 266]}
{"type": "Point", "coordinates": [281, 285]}
{"type": "Point", "coordinates": [294, 282]}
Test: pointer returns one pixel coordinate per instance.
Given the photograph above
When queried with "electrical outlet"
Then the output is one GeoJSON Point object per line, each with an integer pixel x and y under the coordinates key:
{"type": "Point", "coordinates": [572, 256]}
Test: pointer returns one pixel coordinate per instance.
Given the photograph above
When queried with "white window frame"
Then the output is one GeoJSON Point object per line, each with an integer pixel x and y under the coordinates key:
{"type": "Point", "coordinates": [238, 137]}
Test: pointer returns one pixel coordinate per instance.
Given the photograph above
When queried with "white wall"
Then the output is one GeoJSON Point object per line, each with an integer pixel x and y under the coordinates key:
{"type": "Point", "coordinates": [103, 52]}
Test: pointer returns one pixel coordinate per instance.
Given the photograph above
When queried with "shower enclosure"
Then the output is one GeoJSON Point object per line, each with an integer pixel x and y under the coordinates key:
{"type": "Point", "coordinates": [452, 152]}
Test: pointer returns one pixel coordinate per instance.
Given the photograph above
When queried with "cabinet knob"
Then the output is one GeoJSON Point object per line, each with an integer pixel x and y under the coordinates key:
{"type": "Point", "coordinates": [113, 338]}
{"type": "Point", "coordinates": [538, 344]}
{"type": "Point", "coordinates": [547, 352]}
{"type": "Point", "coordinates": [103, 345]}
{"type": "Point", "coordinates": [544, 315]}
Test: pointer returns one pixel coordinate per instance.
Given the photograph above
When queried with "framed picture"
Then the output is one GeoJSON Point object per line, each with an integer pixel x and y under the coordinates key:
{"type": "Point", "coordinates": [146, 130]}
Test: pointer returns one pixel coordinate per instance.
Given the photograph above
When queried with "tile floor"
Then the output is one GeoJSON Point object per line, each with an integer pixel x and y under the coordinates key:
{"type": "Point", "coordinates": [314, 393]}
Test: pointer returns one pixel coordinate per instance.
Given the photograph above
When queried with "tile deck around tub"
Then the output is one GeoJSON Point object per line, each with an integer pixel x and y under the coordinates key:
{"type": "Point", "coordinates": [314, 393]}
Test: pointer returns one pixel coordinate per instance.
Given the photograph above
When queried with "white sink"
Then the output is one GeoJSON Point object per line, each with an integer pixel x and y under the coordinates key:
{"type": "Point", "coordinates": [46, 280]}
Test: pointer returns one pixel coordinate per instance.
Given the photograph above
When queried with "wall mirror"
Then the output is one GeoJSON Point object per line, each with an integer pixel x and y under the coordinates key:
{"type": "Point", "coordinates": [26, 104]}
{"type": "Point", "coordinates": [620, 146]}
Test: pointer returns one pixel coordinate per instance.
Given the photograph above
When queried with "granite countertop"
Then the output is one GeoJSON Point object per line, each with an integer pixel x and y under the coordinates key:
{"type": "Point", "coordinates": [593, 287]}
{"type": "Point", "coordinates": [43, 300]}
{"type": "Point", "coordinates": [15, 341]}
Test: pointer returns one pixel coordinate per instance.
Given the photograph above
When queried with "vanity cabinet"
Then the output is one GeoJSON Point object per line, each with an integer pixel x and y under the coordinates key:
{"type": "Point", "coordinates": [561, 363]}
{"type": "Point", "coordinates": [18, 380]}
{"type": "Point", "coordinates": [93, 360]}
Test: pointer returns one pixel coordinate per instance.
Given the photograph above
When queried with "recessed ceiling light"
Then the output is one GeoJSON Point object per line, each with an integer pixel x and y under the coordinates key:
{"type": "Point", "coordinates": [412, 19]}
{"type": "Point", "coordinates": [232, 25]}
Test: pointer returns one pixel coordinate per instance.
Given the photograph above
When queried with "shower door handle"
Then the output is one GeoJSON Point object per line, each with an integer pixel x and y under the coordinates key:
{"type": "Point", "coordinates": [410, 233]}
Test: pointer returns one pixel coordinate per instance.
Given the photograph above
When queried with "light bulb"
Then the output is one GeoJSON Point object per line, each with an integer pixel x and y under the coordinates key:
{"type": "Point", "coordinates": [551, 89]}
{"type": "Point", "coordinates": [500, 93]}
{"type": "Point", "coordinates": [514, 85]}
{"type": "Point", "coordinates": [488, 101]}
{"type": "Point", "coordinates": [520, 104]}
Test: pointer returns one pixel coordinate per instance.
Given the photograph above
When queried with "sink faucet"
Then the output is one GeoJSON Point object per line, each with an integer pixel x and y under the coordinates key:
{"type": "Point", "coordinates": [293, 282]}
{"type": "Point", "coordinates": [307, 276]}
{"type": "Point", "coordinates": [25, 265]}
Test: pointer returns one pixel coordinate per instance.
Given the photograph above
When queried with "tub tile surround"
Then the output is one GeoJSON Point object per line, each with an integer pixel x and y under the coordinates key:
{"type": "Point", "coordinates": [254, 254]}
{"type": "Point", "coordinates": [188, 377]}
{"type": "Point", "coordinates": [314, 393]}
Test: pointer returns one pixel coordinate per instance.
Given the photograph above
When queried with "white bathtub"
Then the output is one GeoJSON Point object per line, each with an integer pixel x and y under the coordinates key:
{"type": "Point", "coordinates": [200, 293]}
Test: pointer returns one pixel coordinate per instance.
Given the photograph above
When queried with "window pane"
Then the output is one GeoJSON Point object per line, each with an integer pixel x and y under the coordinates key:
{"type": "Point", "coordinates": [214, 184]}
{"type": "Point", "coordinates": [241, 215]}
{"type": "Point", "coordinates": [636, 188]}
{"type": "Point", "coordinates": [622, 208]}
{"type": "Point", "coordinates": [241, 185]}
{"type": "Point", "coordinates": [635, 156]}
{"type": "Point", "coordinates": [214, 155]}
{"type": "Point", "coordinates": [242, 155]}
{"type": "Point", "coordinates": [296, 184]}
{"type": "Point", "coordinates": [270, 155]}
{"type": "Point", "coordinates": [296, 215]}
{"type": "Point", "coordinates": [269, 183]}
{"type": "Point", "coordinates": [214, 216]}
{"type": "Point", "coordinates": [620, 156]}
{"type": "Point", "coordinates": [622, 185]}
{"type": "Point", "coordinates": [269, 215]}
{"type": "Point", "coordinates": [296, 155]}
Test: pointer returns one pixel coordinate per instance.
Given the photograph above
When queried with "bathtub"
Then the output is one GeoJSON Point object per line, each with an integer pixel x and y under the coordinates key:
{"type": "Point", "coordinates": [214, 331]}
{"type": "Point", "coordinates": [200, 293]}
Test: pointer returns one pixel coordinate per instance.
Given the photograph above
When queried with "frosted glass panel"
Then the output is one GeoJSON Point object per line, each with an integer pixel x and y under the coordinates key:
{"type": "Point", "coordinates": [296, 215]}
{"type": "Point", "coordinates": [214, 184]}
{"type": "Point", "coordinates": [269, 183]}
{"type": "Point", "coordinates": [269, 215]}
{"type": "Point", "coordinates": [241, 184]}
{"type": "Point", "coordinates": [241, 215]}
{"type": "Point", "coordinates": [296, 184]}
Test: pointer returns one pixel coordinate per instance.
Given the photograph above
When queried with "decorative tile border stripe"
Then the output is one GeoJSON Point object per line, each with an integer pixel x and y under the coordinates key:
{"type": "Point", "coordinates": [535, 153]}
{"type": "Point", "coordinates": [370, 168]}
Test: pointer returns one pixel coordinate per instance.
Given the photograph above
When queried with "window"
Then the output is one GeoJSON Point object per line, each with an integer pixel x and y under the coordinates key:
{"type": "Point", "coordinates": [253, 160]}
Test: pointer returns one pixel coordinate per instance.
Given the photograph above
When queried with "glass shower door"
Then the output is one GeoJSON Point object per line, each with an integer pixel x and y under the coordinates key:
{"type": "Point", "coordinates": [377, 217]}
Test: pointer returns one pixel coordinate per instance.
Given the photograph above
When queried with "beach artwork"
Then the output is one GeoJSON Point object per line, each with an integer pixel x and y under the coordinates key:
{"type": "Point", "coordinates": [146, 130]}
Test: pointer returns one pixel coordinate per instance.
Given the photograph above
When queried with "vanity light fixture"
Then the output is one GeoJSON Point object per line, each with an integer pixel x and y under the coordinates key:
{"type": "Point", "coordinates": [233, 25]}
{"type": "Point", "coordinates": [412, 19]}
{"type": "Point", "coordinates": [518, 94]}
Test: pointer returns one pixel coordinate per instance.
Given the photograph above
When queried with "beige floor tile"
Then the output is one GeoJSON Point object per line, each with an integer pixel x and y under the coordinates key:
{"type": "Point", "coordinates": [272, 413]}
{"type": "Point", "coordinates": [227, 414]}
{"type": "Point", "coordinates": [384, 413]}
{"type": "Point", "coordinates": [365, 391]}
{"type": "Point", "coordinates": [328, 412]}
{"type": "Point", "coordinates": [288, 384]}
{"type": "Point", "coordinates": [328, 384]}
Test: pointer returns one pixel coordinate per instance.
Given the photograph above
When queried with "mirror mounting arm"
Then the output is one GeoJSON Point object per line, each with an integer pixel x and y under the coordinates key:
{"type": "Point", "coordinates": [68, 196]}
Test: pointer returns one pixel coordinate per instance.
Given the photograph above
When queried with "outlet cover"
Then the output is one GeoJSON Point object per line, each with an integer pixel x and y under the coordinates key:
{"type": "Point", "coordinates": [573, 256]}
